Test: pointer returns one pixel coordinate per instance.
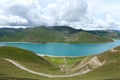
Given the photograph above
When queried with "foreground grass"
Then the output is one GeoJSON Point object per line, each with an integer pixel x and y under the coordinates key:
{"type": "Point", "coordinates": [109, 71]}
{"type": "Point", "coordinates": [41, 68]}
{"type": "Point", "coordinates": [27, 58]}
{"type": "Point", "coordinates": [62, 60]}
{"type": "Point", "coordinates": [8, 70]}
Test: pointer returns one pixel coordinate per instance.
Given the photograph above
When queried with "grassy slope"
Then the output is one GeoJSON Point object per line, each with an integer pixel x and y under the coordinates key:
{"type": "Point", "coordinates": [28, 59]}
{"type": "Point", "coordinates": [38, 35]}
{"type": "Point", "coordinates": [8, 71]}
{"type": "Point", "coordinates": [60, 60]}
{"type": "Point", "coordinates": [84, 37]}
{"type": "Point", "coordinates": [107, 33]}
{"type": "Point", "coordinates": [8, 31]}
{"type": "Point", "coordinates": [48, 35]}
{"type": "Point", "coordinates": [109, 71]}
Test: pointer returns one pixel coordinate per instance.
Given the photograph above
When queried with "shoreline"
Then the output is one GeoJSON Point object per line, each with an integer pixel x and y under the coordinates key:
{"type": "Point", "coordinates": [41, 55]}
{"type": "Point", "coordinates": [114, 40]}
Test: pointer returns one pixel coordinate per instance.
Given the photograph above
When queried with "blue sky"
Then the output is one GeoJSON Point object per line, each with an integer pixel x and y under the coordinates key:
{"type": "Point", "coordinates": [85, 14]}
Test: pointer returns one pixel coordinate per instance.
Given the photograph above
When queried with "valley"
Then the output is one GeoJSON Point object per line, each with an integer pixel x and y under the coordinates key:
{"type": "Point", "coordinates": [94, 64]}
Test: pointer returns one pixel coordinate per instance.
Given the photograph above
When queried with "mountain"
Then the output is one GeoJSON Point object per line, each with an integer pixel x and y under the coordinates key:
{"type": "Point", "coordinates": [8, 31]}
{"type": "Point", "coordinates": [114, 34]}
{"type": "Point", "coordinates": [58, 34]}
{"type": "Point", "coordinates": [66, 29]}
{"type": "Point", "coordinates": [85, 37]}
{"type": "Point", "coordinates": [37, 35]}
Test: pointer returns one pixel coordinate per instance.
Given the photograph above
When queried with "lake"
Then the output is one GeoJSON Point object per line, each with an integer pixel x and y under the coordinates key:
{"type": "Point", "coordinates": [64, 49]}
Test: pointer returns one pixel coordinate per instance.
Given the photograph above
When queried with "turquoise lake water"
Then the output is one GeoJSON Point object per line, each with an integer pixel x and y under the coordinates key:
{"type": "Point", "coordinates": [64, 49]}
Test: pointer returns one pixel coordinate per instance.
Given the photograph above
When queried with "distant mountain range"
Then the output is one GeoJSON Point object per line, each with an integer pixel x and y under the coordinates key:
{"type": "Point", "coordinates": [57, 34]}
{"type": "Point", "coordinates": [7, 31]}
{"type": "Point", "coordinates": [113, 34]}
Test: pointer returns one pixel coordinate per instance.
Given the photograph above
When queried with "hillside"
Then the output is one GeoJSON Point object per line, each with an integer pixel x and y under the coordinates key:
{"type": "Point", "coordinates": [85, 37]}
{"type": "Point", "coordinates": [113, 34]}
{"type": "Point", "coordinates": [110, 70]}
{"type": "Point", "coordinates": [8, 31]}
{"type": "Point", "coordinates": [36, 35]}
{"type": "Point", "coordinates": [66, 29]}
{"type": "Point", "coordinates": [54, 35]}
{"type": "Point", "coordinates": [104, 66]}
{"type": "Point", "coordinates": [27, 58]}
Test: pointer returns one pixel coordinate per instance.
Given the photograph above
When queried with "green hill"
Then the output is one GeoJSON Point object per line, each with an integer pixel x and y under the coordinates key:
{"type": "Point", "coordinates": [8, 31]}
{"type": "Point", "coordinates": [28, 59]}
{"type": "Point", "coordinates": [53, 35]}
{"type": "Point", "coordinates": [113, 34]}
{"type": "Point", "coordinates": [36, 35]}
{"type": "Point", "coordinates": [110, 70]}
{"type": "Point", "coordinates": [66, 29]}
{"type": "Point", "coordinates": [85, 37]}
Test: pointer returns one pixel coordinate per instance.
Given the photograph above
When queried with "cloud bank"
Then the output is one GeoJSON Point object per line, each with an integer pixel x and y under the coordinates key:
{"type": "Point", "coordinates": [32, 13]}
{"type": "Point", "coordinates": [75, 13]}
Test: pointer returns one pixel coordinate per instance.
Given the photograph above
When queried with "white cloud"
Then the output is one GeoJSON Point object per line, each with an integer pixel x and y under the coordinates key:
{"type": "Point", "coordinates": [64, 12]}
{"type": "Point", "coordinates": [102, 24]}
{"type": "Point", "coordinates": [86, 14]}
{"type": "Point", "coordinates": [30, 12]}
{"type": "Point", "coordinates": [11, 20]}
{"type": "Point", "coordinates": [18, 12]}
{"type": "Point", "coordinates": [3, 26]}
{"type": "Point", "coordinates": [103, 14]}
